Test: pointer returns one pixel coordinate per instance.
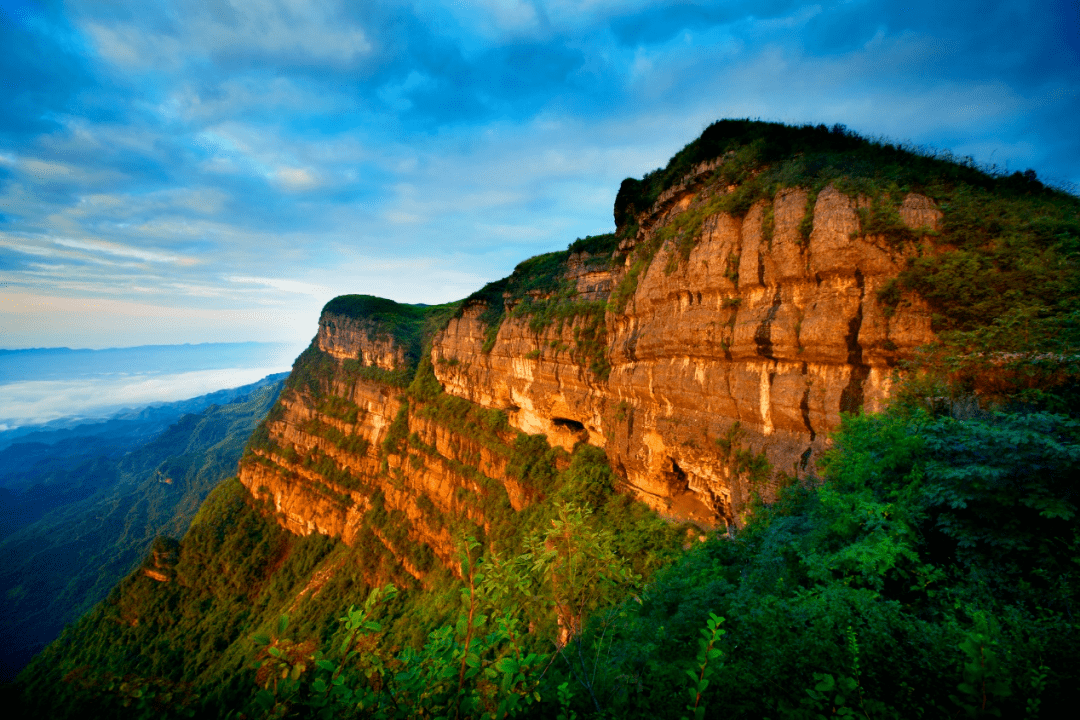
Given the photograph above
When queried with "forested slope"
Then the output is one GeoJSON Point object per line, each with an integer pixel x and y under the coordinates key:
{"type": "Point", "coordinates": [54, 569]}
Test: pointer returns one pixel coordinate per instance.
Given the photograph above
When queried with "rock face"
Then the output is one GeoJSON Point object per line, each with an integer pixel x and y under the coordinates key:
{"type": "Point", "coordinates": [758, 325]}
{"type": "Point", "coordinates": [347, 338]}
{"type": "Point", "coordinates": [741, 346]}
{"type": "Point", "coordinates": [353, 458]}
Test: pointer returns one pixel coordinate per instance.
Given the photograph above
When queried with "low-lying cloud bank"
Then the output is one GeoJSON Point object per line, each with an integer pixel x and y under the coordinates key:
{"type": "Point", "coordinates": [43, 385]}
{"type": "Point", "coordinates": [41, 401]}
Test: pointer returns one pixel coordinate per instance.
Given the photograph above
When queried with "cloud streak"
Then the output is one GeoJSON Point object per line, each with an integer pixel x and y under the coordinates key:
{"type": "Point", "coordinates": [41, 401]}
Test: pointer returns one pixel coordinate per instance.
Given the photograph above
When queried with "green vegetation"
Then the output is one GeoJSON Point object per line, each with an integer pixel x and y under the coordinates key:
{"type": "Point", "coordinates": [1006, 292]}
{"type": "Point", "coordinates": [410, 327]}
{"type": "Point", "coordinates": [929, 573]}
{"type": "Point", "coordinates": [743, 462]}
{"type": "Point", "coordinates": [765, 157]}
{"type": "Point", "coordinates": [1004, 283]}
{"type": "Point", "coordinates": [384, 318]}
{"type": "Point", "coordinates": [57, 568]}
{"type": "Point", "coordinates": [236, 573]}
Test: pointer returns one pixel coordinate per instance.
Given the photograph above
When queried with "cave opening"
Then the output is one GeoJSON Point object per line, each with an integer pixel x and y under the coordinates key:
{"type": "Point", "coordinates": [677, 480]}
{"type": "Point", "coordinates": [567, 424]}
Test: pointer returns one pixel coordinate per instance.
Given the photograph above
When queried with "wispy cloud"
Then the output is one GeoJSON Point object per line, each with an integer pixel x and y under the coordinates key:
{"type": "Point", "coordinates": [240, 161]}
{"type": "Point", "coordinates": [108, 248]}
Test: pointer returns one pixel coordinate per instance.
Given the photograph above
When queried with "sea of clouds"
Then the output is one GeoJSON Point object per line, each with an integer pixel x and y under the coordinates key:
{"type": "Point", "coordinates": [133, 381]}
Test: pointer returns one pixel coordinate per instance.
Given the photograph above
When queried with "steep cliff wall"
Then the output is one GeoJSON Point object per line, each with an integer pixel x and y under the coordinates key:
{"type": "Point", "coordinates": [709, 346]}
{"type": "Point", "coordinates": [742, 345]}
{"type": "Point", "coordinates": [755, 325]}
{"type": "Point", "coordinates": [348, 453]}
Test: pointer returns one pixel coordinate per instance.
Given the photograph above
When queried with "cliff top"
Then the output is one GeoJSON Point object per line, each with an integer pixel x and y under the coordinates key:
{"type": "Point", "coordinates": [410, 326]}
{"type": "Point", "coordinates": [1000, 270]}
{"type": "Point", "coordinates": [812, 156]}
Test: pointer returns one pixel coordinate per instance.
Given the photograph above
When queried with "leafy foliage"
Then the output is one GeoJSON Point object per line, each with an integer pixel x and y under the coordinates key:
{"type": "Point", "coordinates": [930, 564]}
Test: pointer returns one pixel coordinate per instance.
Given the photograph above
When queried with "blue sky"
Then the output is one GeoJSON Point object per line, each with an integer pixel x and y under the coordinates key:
{"type": "Point", "coordinates": [216, 170]}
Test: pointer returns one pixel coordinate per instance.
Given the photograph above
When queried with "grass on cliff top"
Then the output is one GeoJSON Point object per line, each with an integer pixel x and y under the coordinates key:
{"type": "Point", "coordinates": [818, 146]}
{"type": "Point", "coordinates": [1004, 285]}
{"type": "Point", "coordinates": [410, 326]}
{"type": "Point", "coordinates": [539, 275]}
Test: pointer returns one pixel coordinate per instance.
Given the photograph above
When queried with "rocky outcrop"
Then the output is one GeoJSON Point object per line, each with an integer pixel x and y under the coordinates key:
{"type": "Point", "coordinates": [347, 338]}
{"type": "Point", "coordinates": [740, 345]}
{"type": "Point", "coordinates": [353, 458]}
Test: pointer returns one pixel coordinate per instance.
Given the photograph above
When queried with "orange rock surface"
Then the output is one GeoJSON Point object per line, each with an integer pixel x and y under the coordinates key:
{"type": "Point", "coordinates": [757, 326]}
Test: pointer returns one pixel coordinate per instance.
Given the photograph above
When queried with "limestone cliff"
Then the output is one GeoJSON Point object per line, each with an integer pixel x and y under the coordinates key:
{"type": "Point", "coordinates": [346, 453]}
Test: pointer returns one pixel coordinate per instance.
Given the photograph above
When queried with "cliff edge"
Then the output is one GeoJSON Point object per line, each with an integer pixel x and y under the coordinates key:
{"type": "Point", "coordinates": [765, 282]}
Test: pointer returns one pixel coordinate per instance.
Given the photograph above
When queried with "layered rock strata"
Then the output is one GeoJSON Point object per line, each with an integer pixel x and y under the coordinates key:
{"type": "Point", "coordinates": [745, 344]}
{"type": "Point", "coordinates": [758, 325]}
{"type": "Point", "coordinates": [347, 338]}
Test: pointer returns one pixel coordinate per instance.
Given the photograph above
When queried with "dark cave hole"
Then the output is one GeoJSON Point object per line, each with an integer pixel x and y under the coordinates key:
{"type": "Point", "coordinates": [568, 424]}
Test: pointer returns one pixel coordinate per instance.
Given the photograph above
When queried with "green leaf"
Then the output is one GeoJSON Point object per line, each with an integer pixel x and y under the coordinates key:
{"type": "Point", "coordinates": [265, 700]}
{"type": "Point", "coordinates": [507, 665]}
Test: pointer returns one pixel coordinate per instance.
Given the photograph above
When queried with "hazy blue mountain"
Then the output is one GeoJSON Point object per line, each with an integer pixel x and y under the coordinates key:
{"type": "Point", "coordinates": [44, 389]}
{"type": "Point", "coordinates": [81, 506]}
{"type": "Point", "coordinates": [127, 426]}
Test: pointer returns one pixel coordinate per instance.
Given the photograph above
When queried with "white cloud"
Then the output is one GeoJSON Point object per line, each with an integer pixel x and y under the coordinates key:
{"type": "Point", "coordinates": [39, 401]}
{"type": "Point", "coordinates": [315, 32]}
{"type": "Point", "coordinates": [46, 171]}
{"type": "Point", "coordinates": [296, 179]}
{"type": "Point", "coordinates": [109, 248]}
{"type": "Point", "coordinates": [297, 287]}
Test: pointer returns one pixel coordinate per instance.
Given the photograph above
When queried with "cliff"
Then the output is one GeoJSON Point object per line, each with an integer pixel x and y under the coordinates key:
{"type": "Point", "coordinates": [758, 328]}
{"type": "Point", "coordinates": [709, 346]}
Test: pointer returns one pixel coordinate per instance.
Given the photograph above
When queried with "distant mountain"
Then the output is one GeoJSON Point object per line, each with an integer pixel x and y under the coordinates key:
{"type": "Point", "coordinates": [80, 507]}
{"type": "Point", "coordinates": [56, 388]}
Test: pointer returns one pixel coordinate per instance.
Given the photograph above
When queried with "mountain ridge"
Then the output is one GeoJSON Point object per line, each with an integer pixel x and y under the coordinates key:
{"type": "Point", "coordinates": [758, 299]}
